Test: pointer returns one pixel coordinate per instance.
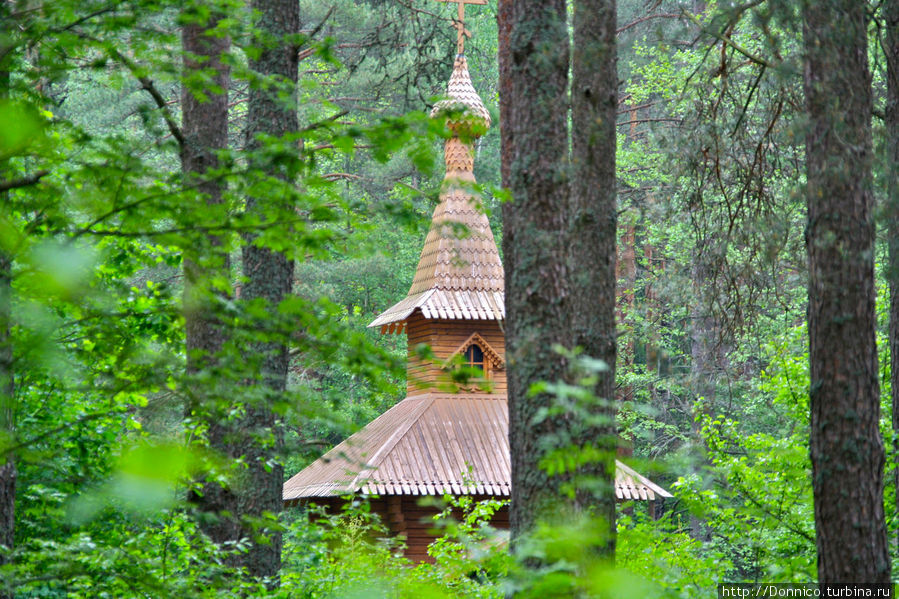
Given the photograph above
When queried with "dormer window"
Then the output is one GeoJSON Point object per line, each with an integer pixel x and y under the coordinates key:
{"type": "Point", "coordinates": [474, 357]}
{"type": "Point", "coordinates": [477, 354]}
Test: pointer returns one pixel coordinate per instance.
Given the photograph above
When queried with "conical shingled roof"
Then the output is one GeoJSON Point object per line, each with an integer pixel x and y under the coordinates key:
{"type": "Point", "coordinates": [459, 253]}
{"type": "Point", "coordinates": [459, 273]}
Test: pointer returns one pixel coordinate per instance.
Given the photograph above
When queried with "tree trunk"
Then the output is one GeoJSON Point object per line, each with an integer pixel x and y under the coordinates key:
{"type": "Point", "coordinates": [846, 449]}
{"type": "Point", "coordinates": [7, 377]}
{"type": "Point", "coordinates": [594, 222]}
{"type": "Point", "coordinates": [891, 212]}
{"type": "Point", "coordinates": [535, 223]}
{"type": "Point", "coordinates": [708, 359]}
{"type": "Point", "coordinates": [504, 58]}
{"type": "Point", "coordinates": [204, 111]}
{"type": "Point", "coordinates": [268, 273]}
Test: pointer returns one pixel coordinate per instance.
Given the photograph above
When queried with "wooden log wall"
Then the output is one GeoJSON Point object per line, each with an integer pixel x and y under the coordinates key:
{"type": "Point", "coordinates": [414, 523]}
{"type": "Point", "coordinates": [444, 337]}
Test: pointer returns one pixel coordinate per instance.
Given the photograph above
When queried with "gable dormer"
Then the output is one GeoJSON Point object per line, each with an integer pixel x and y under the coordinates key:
{"type": "Point", "coordinates": [477, 352]}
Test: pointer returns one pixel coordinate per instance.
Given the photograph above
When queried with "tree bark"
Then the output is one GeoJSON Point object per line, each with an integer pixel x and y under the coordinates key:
{"type": "Point", "coordinates": [890, 10]}
{"type": "Point", "coordinates": [504, 59]}
{"type": "Point", "coordinates": [8, 471]}
{"type": "Point", "coordinates": [534, 115]}
{"type": "Point", "coordinates": [846, 449]}
{"type": "Point", "coordinates": [204, 110]}
{"type": "Point", "coordinates": [269, 273]}
{"type": "Point", "coordinates": [594, 227]}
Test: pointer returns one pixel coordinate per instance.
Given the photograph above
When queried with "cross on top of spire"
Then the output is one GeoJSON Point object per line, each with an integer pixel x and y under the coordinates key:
{"type": "Point", "coordinates": [459, 23]}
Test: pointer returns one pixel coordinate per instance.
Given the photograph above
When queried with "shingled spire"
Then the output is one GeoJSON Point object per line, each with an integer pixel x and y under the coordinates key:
{"type": "Point", "coordinates": [459, 274]}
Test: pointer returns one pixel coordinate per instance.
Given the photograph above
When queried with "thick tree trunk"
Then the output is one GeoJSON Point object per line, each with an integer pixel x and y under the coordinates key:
{"type": "Point", "coordinates": [594, 222]}
{"type": "Point", "coordinates": [504, 31]}
{"type": "Point", "coordinates": [204, 112]}
{"type": "Point", "coordinates": [891, 211]}
{"type": "Point", "coordinates": [846, 449]}
{"type": "Point", "coordinates": [8, 471]}
{"type": "Point", "coordinates": [269, 274]}
{"type": "Point", "coordinates": [535, 223]}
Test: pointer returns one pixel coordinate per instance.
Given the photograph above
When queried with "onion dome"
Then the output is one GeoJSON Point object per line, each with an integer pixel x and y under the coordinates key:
{"type": "Point", "coordinates": [468, 115]}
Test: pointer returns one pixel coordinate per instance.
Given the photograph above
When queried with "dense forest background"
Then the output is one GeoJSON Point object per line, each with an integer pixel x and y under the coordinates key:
{"type": "Point", "coordinates": [105, 462]}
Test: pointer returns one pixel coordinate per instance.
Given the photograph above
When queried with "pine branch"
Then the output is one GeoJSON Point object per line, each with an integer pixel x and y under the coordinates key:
{"type": "Point", "coordinates": [730, 42]}
{"type": "Point", "coordinates": [23, 182]}
{"type": "Point", "coordinates": [147, 84]}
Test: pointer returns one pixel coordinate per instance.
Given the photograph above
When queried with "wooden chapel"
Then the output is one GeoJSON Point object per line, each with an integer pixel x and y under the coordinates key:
{"type": "Point", "coordinates": [439, 441]}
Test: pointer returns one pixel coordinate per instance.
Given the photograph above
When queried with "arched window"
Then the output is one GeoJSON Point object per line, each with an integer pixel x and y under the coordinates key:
{"type": "Point", "coordinates": [474, 357]}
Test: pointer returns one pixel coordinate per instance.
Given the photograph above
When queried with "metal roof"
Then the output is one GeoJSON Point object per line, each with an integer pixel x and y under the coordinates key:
{"type": "Point", "coordinates": [444, 304]}
{"type": "Point", "coordinates": [433, 444]}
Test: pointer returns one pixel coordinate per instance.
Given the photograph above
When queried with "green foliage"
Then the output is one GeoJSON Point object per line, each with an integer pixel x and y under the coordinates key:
{"type": "Point", "coordinates": [348, 554]}
{"type": "Point", "coordinates": [760, 503]}
{"type": "Point", "coordinates": [98, 218]}
{"type": "Point", "coordinates": [96, 241]}
{"type": "Point", "coordinates": [667, 555]}
{"type": "Point", "coordinates": [471, 558]}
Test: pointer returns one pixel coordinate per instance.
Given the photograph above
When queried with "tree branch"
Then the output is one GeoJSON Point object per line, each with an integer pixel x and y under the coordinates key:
{"type": "Point", "coordinates": [23, 182]}
{"type": "Point", "coordinates": [650, 120]}
{"type": "Point", "coordinates": [727, 40]}
{"type": "Point", "coordinates": [636, 22]}
{"type": "Point", "coordinates": [335, 176]}
{"type": "Point", "coordinates": [324, 122]}
{"type": "Point", "coordinates": [38, 438]}
{"type": "Point", "coordinates": [147, 84]}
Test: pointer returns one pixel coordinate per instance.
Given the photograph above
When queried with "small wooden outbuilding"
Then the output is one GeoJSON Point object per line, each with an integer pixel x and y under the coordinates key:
{"type": "Point", "coordinates": [439, 439]}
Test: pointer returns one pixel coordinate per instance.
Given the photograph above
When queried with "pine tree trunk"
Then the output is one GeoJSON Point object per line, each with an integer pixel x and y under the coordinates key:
{"type": "Point", "coordinates": [269, 274]}
{"type": "Point", "coordinates": [535, 223]}
{"type": "Point", "coordinates": [891, 212]}
{"type": "Point", "coordinates": [846, 449]}
{"type": "Point", "coordinates": [504, 58]}
{"type": "Point", "coordinates": [8, 471]}
{"type": "Point", "coordinates": [205, 128]}
{"type": "Point", "coordinates": [594, 218]}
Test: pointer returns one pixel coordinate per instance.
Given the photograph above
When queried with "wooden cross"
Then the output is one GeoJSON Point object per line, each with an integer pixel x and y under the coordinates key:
{"type": "Point", "coordinates": [459, 23]}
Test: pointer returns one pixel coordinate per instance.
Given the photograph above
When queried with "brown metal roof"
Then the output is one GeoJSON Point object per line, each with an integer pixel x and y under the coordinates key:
{"type": "Point", "coordinates": [446, 304]}
{"type": "Point", "coordinates": [433, 444]}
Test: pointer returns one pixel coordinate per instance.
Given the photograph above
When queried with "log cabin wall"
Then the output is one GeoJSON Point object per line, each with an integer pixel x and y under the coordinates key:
{"type": "Point", "coordinates": [445, 337]}
{"type": "Point", "coordinates": [414, 524]}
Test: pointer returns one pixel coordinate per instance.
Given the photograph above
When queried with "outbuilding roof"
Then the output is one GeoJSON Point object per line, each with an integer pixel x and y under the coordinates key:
{"type": "Point", "coordinates": [432, 444]}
